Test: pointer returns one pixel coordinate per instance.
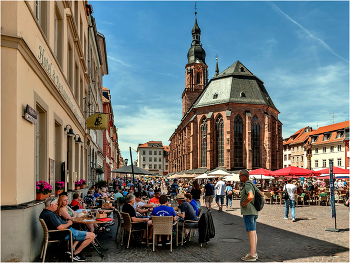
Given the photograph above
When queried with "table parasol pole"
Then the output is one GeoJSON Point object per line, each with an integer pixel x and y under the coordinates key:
{"type": "Point", "coordinates": [332, 201]}
{"type": "Point", "coordinates": [132, 170]}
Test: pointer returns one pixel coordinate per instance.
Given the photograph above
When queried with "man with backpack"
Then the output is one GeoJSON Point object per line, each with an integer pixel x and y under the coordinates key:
{"type": "Point", "coordinates": [249, 212]}
{"type": "Point", "coordinates": [290, 201]}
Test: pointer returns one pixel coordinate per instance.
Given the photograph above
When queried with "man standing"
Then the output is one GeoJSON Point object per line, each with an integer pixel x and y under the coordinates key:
{"type": "Point", "coordinates": [174, 188]}
{"type": "Point", "coordinates": [209, 195]}
{"type": "Point", "coordinates": [291, 188]}
{"type": "Point", "coordinates": [249, 213]}
{"type": "Point", "coordinates": [220, 193]}
{"type": "Point", "coordinates": [54, 222]}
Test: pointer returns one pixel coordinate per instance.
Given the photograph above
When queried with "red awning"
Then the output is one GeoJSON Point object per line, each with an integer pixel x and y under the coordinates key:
{"type": "Point", "coordinates": [293, 171]}
{"type": "Point", "coordinates": [336, 170]}
{"type": "Point", "coordinates": [260, 171]}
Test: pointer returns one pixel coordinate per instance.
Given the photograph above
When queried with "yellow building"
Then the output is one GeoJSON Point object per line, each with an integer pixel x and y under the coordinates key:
{"type": "Point", "coordinates": [51, 67]}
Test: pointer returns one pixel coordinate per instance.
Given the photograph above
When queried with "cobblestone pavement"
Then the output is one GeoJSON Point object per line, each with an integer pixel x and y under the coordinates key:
{"type": "Point", "coordinates": [278, 239]}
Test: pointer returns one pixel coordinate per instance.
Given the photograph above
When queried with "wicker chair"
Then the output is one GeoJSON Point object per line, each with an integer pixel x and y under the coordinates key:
{"type": "Point", "coordinates": [47, 239]}
{"type": "Point", "coordinates": [267, 196]}
{"type": "Point", "coordinates": [128, 227]}
{"type": "Point", "coordinates": [163, 225]}
{"type": "Point", "coordinates": [322, 197]}
{"type": "Point", "coordinates": [120, 224]}
{"type": "Point", "coordinates": [119, 203]}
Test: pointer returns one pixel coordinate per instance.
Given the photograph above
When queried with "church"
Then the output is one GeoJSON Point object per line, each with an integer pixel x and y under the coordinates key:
{"type": "Point", "coordinates": [228, 122]}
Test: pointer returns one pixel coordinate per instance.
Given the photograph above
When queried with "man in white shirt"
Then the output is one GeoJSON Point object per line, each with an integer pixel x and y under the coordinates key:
{"type": "Point", "coordinates": [220, 193]}
{"type": "Point", "coordinates": [291, 189]}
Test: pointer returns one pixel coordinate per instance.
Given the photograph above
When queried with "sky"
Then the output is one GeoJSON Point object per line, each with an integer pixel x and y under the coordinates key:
{"type": "Point", "coordinates": [300, 50]}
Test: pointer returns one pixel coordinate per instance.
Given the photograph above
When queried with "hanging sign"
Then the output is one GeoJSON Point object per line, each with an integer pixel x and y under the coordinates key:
{"type": "Point", "coordinates": [30, 114]}
{"type": "Point", "coordinates": [97, 121]}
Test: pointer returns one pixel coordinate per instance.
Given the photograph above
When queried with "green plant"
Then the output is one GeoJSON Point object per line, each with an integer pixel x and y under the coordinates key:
{"type": "Point", "coordinates": [101, 183]}
{"type": "Point", "coordinates": [99, 170]}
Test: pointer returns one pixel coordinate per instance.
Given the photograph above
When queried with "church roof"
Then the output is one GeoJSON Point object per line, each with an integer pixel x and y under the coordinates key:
{"type": "Point", "coordinates": [236, 84]}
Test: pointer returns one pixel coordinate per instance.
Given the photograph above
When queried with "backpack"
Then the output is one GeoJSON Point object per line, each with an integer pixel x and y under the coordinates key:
{"type": "Point", "coordinates": [285, 195]}
{"type": "Point", "coordinates": [258, 199]}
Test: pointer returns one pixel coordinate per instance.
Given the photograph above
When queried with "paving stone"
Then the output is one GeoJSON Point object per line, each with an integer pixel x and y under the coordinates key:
{"type": "Point", "coordinates": [278, 239]}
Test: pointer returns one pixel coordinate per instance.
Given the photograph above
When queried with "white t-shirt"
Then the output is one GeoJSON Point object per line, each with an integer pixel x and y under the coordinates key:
{"type": "Point", "coordinates": [291, 188]}
{"type": "Point", "coordinates": [220, 188]}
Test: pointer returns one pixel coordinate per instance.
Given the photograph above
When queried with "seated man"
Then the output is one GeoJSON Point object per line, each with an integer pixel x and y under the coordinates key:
{"type": "Point", "coordinates": [118, 194]}
{"type": "Point", "coordinates": [89, 198]}
{"type": "Point", "coordinates": [192, 203]}
{"type": "Point", "coordinates": [54, 222]}
{"type": "Point", "coordinates": [155, 199]}
{"type": "Point", "coordinates": [140, 206]}
{"type": "Point", "coordinates": [98, 193]}
{"type": "Point", "coordinates": [187, 213]}
{"type": "Point", "coordinates": [163, 210]}
{"type": "Point", "coordinates": [128, 208]}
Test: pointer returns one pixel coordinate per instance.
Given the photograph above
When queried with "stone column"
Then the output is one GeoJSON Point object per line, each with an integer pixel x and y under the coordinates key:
{"type": "Point", "coordinates": [248, 141]}
{"type": "Point", "coordinates": [71, 162]}
{"type": "Point", "coordinates": [227, 141]}
{"type": "Point", "coordinates": [267, 143]}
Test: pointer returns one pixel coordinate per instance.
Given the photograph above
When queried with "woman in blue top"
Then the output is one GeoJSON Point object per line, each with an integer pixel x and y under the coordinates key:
{"type": "Point", "coordinates": [163, 210]}
{"type": "Point", "coordinates": [228, 196]}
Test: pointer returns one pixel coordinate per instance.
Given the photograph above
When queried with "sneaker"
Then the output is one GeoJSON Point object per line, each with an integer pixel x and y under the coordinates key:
{"type": "Point", "coordinates": [256, 255]}
{"type": "Point", "coordinates": [293, 220]}
{"type": "Point", "coordinates": [168, 243]}
{"type": "Point", "coordinates": [159, 244]}
{"type": "Point", "coordinates": [78, 257]}
{"type": "Point", "coordinates": [286, 218]}
{"type": "Point", "coordinates": [248, 257]}
{"type": "Point", "coordinates": [150, 241]}
{"type": "Point", "coordinates": [143, 242]}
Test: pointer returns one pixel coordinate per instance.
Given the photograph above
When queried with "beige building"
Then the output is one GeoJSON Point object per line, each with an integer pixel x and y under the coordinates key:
{"type": "Point", "coordinates": [51, 67]}
{"type": "Point", "coordinates": [153, 157]}
{"type": "Point", "coordinates": [313, 149]}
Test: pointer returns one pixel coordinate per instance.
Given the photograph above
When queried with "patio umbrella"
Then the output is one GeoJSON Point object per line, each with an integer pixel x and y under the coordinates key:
{"type": "Point", "coordinates": [127, 170]}
{"type": "Point", "coordinates": [218, 173]}
{"type": "Point", "coordinates": [293, 171]}
{"type": "Point", "coordinates": [260, 174]}
{"type": "Point", "coordinates": [187, 176]}
{"type": "Point", "coordinates": [232, 177]}
{"type": "Point", "coordinates": [336, 170]}
{"type": "Point", "coordinates": [204, 176]}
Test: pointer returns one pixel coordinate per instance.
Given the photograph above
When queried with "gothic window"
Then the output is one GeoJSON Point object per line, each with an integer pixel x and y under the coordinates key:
{"type": "Point", "coordinates": [238, 141]}
{"type": "Point", "coordinates": [220, 140]}
{"type": "Point", "coordinates": [204, 128]}
{"type": "Point", "coordinates": [256, 141]}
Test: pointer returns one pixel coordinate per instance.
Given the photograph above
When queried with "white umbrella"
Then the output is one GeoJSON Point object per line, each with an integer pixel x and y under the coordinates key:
{"type": "Point", "coordinates": [219, 173]}
{"type": "Point", "coordinates": [260, 176]}
{"type": "Point", "coordinates": [204, 176]}
{"type": "Point", "coordinates": [232, 177]}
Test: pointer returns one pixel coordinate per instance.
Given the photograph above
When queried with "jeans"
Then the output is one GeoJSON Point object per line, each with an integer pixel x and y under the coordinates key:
{"type": "Point", "coordinates": [228, 200]}
{"type": "Point", "coordinates": [290, 203]}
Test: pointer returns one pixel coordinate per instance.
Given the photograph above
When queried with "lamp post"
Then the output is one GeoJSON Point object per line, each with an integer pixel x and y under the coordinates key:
{"type": "Point", "coordinates": [132, 169]}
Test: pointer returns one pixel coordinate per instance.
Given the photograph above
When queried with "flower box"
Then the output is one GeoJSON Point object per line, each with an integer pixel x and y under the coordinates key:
{"type": "Point", "coordinates": [57, 192]}
{"type": "Point", "coordinates": [41, 196]}
{"type": "Point", "coordinates": [77, 187]}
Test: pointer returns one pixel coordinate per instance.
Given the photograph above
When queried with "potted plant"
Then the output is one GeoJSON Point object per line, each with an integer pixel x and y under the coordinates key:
{"type": "Point", "coordinates": [43, 190]}
{"type": "Point", "coordinates": [59, 186]}
{"type": "Point", "coordinates": [77, 185]}
{"type": "Point", "coordinates": [99, 170]}
{"type": "Point", "coordinates": [83, 183]}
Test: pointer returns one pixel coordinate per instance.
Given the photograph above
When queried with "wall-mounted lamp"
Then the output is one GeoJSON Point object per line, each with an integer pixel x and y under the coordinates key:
{"type": "Point", "coordinates": [70, 131]}
{"type": "Point", "coordinates": [79, 139]}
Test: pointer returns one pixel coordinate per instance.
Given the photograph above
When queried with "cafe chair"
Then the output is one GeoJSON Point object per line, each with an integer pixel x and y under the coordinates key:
{"type": "Point", "coordinates": [323, 197]}
{"type": "Point", "coordinates": [128, 228]}
{"type": "Point", "coordinates": [163, 225]}
{"type": "Point", "coordinates": [48, 240]}
{"type": "Point", "coordinates": [267, 196]}
{"type": "Point", "coordinates": [120, 224]}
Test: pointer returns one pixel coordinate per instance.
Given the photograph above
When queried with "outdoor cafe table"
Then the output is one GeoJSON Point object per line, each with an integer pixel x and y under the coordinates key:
{"type": "Point", "coordinates": [83, 220]}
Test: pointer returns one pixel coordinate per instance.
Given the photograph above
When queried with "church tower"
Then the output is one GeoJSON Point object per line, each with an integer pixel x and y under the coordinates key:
{"type": "Point", "coordinates": [196, 70]}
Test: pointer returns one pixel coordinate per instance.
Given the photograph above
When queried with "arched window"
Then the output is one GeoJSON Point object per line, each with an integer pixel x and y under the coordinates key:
{"type": "Point", "coordinates": [238, 141]}
{"type": "Point", "coordinates": [220, 140]}
{"type": "Point", "coordinates": [256, 141]}
{"type": "Point", "coordinates": [204, 128]}
{"type": "Point", "coordinates": [198, 78]}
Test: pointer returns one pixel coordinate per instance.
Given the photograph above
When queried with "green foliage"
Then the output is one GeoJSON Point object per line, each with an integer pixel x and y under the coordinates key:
{"type": "Point", "coordinates": [99, 170]}
{"type": "Point", "coordinates": [101, 183]}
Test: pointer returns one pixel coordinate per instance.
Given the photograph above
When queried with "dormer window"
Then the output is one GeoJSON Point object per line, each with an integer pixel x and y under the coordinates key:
{"type": "Point", "coordinates": [215, 96]}
{"type": "Point", "coordinates": [242, 94]}
{"type": "Point", "coordinates": [340, 134]}
{"type": "Point", "coordinates": [314, 138]}
{"type": "Point", "coordinates": [242, 69]}
{"type": "Point", "coordinates": [326, 136]}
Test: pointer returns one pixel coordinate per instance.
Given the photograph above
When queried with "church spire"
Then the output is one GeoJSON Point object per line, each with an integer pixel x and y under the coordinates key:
{"type": "Point", "coordinates": [217, 67]}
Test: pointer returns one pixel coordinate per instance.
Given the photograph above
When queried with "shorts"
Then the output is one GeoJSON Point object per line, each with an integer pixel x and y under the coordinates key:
{"type": "Point", "coordinates": [141, 225]}
{"type": "Point", "coordinates": [209, 198]}
{"type": "Point", "coordinates": [250, 222]}
{"type": "Point", "coordinates": [220, 197]}
{"type": "Point", "coordinates": [77, 235]}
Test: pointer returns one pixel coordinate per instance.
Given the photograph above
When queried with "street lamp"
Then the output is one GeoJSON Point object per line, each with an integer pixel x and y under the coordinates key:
{"type": "Point", "coordinates": [125, 163]}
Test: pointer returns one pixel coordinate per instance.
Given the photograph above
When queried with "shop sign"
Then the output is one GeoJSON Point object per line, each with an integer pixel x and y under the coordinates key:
{"type": "Point", "coordinates": [30, 114]}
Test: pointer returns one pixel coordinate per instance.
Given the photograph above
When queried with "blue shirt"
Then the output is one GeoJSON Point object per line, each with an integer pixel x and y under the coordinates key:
{"type": "Point", "coordinates": [209, 189]}
{"type": "Point", "coordinates": [97, 195]}
{"type": "Point", "coordinates": [193, 203]}
{"type": "Point", "coordinates": [163, 210]}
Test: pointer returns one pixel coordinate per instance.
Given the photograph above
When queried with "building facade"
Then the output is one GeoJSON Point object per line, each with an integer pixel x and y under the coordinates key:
{"type": "Point", "coordinates": [228, 122]}
{"type": "Point", "coordinates": [52, 68]}
{"type": "Point", "coordinates": [153, 157]}
{"type": "Point", "coordinates": [313, 149]}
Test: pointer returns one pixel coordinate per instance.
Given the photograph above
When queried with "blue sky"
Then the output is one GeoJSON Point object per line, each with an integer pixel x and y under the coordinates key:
{"type": "Point", "coordinates": [300, 50]}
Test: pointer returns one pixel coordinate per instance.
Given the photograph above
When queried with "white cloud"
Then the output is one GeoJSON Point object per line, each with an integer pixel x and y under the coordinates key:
{"type": "Point", "coordinates": [320, 41]}
{"type": "Point", "coordinates": [119, 61]}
